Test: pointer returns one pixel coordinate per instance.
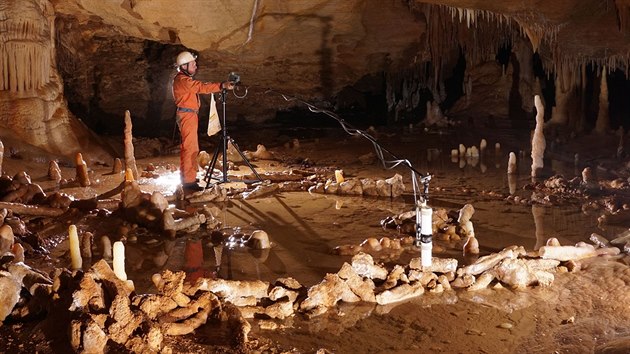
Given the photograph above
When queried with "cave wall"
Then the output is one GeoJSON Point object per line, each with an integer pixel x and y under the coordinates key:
{"type": "Point", "coordinates": [95, 59]}
{"type": "Point", "coordinates": [33, 110]}
{"type": "Point", "coordinates": [119, 56]}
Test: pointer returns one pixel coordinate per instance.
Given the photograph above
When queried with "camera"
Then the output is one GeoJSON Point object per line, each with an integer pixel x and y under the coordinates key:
{"type": "Point", "coordinates": [234, 78]}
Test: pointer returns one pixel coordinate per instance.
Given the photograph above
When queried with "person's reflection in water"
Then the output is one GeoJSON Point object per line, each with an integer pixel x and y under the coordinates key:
{"type": "Point", "coordinates": [193, 265]}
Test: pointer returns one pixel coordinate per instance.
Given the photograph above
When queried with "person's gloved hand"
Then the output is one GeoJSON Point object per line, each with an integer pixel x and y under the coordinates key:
{"type": "Point", "coordinates": [227, 85]}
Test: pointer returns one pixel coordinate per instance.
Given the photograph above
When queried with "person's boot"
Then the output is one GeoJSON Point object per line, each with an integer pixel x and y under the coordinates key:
{"type": "Point", "coordinates": [192, 187]}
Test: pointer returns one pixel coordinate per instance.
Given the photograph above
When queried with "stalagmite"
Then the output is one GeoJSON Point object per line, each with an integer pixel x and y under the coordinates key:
{"type": "Point", "coordinates": [587, 176]}
{"type": "Point", "coordinates": [54, 172]}
{"type": "Point", "coordinates": [472, 244]}
{"type": "Point", "coordinates": [117, 168]}
{"type": "Point", "coordinates": [86, 245]}
{"type": "Point", "coordinates": [538, 139]}
{"type": "Point", "coordinates": [465, 214]}
{"type": "Point", "coordinates": [538, 212]}
{"type": "Point", "coordinates": [482, 146]}
{"type": "Point", "coordinates": [82, 171]}
{"type": "Point", "coordinates": [1, 156]}
{"type": "Point", "coordinates": [129, 175]}
{"type": "Point", "coordinates": [602, 124]}
{"type": "Point", "coordinates": [130, 160]}
{"type": "Point", "coordinates": [620, 149]}
{"type": "Point", "coordinates": [119, 260]}
{"type": "Point", "coordinates": [75, 252]}
{"type": "Point", "coordinates": [511, 183]}
{"type": "Point", "coordinates": [511, 169]}
{"type": "Point", "coordinates": [564, 89]}
{"type": "Point", "coordinates": [106, 243]}
{"type": "Point", "coordinates": [261, 153]}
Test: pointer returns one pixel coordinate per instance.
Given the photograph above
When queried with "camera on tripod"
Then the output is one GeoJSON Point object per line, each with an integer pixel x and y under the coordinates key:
{"type": "Point", "coordinates": [234, 78]}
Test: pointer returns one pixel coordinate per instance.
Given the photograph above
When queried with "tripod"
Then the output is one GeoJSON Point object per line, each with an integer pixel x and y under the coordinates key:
{"type": "Point", "coordinates": [222, 147]}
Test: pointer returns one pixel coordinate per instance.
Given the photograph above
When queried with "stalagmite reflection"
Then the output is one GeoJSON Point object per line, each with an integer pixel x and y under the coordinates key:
{"type": "Point", "coordinates": [538, 213]}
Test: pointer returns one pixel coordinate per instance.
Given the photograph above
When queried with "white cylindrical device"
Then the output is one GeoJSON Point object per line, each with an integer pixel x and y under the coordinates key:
{"type": "Point", "coordinates": [426, 233]}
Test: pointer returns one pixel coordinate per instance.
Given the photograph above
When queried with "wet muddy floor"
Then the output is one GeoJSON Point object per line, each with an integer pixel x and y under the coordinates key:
{"type": "Point", "coordinates": [581, 312]}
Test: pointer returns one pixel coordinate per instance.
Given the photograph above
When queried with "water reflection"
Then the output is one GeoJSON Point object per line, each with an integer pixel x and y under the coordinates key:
{"type": "Point", "coordinates": [305, 228]}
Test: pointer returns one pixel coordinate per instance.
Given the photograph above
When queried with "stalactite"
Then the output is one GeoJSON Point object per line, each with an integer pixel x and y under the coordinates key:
{"type": "Point", "coordinates": [26, 58]}
{"type": "Point", "coordinates": [448, 29]}
{"type": "Point", "coordinates": [252, 21]}
{"type": "Point", "coordinates": [565, 83]}
{"type": "Point", "coordinates": [602, 124]}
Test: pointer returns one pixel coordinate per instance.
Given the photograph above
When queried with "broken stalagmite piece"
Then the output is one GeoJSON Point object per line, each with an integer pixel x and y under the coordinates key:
{"type": "Point", "coordinates": [566, 253]}
{"type": "Point", "coordinates": [259, 240]}
{"type": "Point", "coordinates": [170, 224]}
{"type": "Point", "coordinates": [36, 210]}
{"type": "Point", "coordinates": [486, 262]}
{"type": "Point", "coordinates": [438, 265]}
{"type": "Point", "coordinates": [400, 293]}
{"type": "Point", "coordinates": [261, 153]}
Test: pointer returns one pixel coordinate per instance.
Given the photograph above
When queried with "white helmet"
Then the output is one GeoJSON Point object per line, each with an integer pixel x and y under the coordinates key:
{"type": "Point", "coordinates": [185, 58]}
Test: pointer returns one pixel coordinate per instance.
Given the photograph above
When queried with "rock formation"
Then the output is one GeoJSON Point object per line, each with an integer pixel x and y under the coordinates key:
{"type": "Point", "coordinates": [33, 107]}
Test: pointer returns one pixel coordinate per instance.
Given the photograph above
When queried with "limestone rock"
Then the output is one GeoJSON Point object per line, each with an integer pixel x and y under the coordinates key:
{"type": "Point", "coordinates": [517, 273]}
{"type": "Point", "coordinates": [6, 238]}
{"type": "Point", "coordinates": [327, 293]}
{"type": "Point", "coordinates": [94, 338]}
{"type": "Point", "coordinates": [363, 288]}
{"type": "Point", "coordinates": [10, 294]}
{"type": "Point", "coordinates": [364, 265]}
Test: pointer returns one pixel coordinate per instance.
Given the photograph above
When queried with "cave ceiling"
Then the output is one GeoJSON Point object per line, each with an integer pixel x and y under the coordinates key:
{"type": "Point", "coordinates": [110, 56]}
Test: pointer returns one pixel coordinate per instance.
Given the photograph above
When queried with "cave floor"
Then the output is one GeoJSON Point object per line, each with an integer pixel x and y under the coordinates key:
{"type": "Point", "coordinates": [584, 311]}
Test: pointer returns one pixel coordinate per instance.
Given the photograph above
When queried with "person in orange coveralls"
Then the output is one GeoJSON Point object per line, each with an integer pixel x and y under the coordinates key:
{"type": "Point", "coordinates": [186, 92]}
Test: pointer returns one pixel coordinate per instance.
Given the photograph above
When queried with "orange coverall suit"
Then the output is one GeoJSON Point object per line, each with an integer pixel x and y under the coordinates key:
{"type": "Point", "coordinates": [185, 92]}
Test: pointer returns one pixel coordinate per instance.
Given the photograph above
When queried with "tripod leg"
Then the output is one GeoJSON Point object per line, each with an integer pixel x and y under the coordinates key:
{"type": "Point", "coordinates": [213, 162]}
{"type": "Point", "coordinates": [245, 159]}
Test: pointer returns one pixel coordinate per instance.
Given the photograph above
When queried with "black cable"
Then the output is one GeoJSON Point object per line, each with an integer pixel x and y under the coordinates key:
{"type": "Point", "coordinates": [357, 132]}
